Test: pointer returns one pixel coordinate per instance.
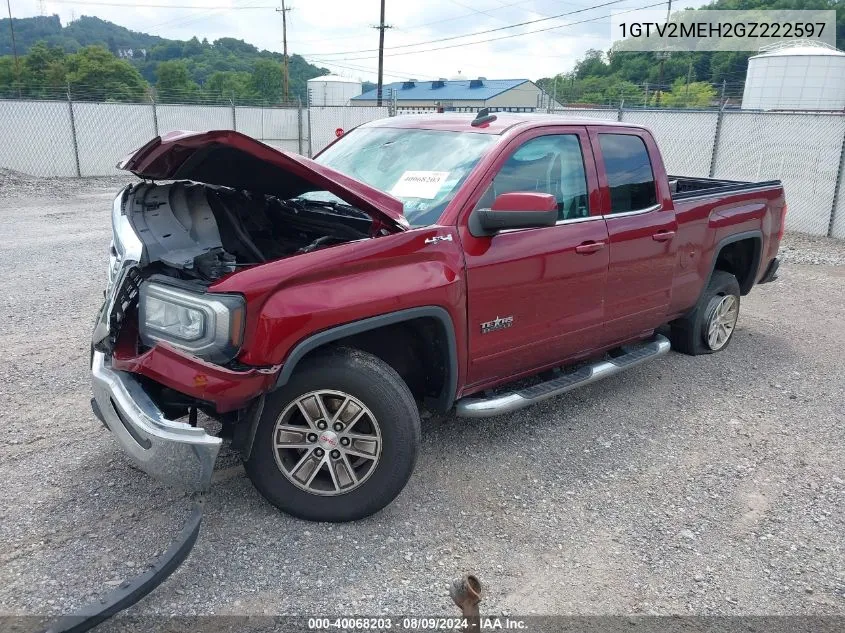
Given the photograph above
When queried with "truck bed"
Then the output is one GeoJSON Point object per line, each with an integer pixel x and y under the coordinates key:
{"type": "Point", "coordinates": [685, 187]}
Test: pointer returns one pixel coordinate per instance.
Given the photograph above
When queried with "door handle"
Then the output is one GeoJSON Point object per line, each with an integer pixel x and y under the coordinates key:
{"type": "Point", "coordinates": [663, 236]}
{"type": "Point", "coordinates": [589, 247]}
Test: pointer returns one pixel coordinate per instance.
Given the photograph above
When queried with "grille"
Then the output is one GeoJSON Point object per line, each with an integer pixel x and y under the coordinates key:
{"type": "Point", "coordinates": [125, 301]}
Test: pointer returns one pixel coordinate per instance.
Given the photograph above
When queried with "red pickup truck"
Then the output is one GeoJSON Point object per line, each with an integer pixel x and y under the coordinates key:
{"type": "Point", "coordinates": [315, 307]}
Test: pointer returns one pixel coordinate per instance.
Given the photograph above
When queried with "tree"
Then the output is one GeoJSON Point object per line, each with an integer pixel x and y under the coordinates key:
{"type": "Point", "coordinates": [192, 47]}
{"type": "Point", "coordinates": [592, 65]}
{"type": "Point", "coordinates": [266, 81]}
{"type": "Point", "coordinates": [95, 74]}
{"type": "Point", "coordinates": [202, 59]}
{"type": "Point", "coordinates": [624, 92]}
{"type": "Point", "coordinates": [174, 84]}
{"type": "Point", "coordinates": [11, 80]}
{"type": "Point", "coordinates": [697, 94]}
{"type": "Point", "coordinates": [230, 85]}
{"type": "Point", "coordinates": [45, 70]}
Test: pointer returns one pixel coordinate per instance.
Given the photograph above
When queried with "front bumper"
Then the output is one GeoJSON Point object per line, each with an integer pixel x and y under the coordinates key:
{"type": "Point", "coordinates": [173, 452]}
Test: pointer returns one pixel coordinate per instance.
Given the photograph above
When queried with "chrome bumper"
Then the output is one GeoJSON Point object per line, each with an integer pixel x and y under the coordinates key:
{"type": "Point", "coordinates": [174, 452]}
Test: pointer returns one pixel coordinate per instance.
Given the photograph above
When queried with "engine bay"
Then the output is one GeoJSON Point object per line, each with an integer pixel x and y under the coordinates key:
{"type": "Point", "coordinates": [203, 232]}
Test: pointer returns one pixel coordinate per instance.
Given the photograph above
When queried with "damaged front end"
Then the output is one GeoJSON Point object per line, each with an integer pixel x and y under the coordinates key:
{"type": "Point", "coordinates": [163, 345]}
{"type": "Point", "coordinates": [173, 451]}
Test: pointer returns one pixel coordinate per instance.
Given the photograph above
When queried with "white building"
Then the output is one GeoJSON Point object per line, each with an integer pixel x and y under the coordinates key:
{"type": "Point", "coordinates": [332, 90]}
{"type": "Point", "coordinates": [797, 75]}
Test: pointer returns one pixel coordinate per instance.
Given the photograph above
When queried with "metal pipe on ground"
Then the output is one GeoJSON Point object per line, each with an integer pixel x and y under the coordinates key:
{"type": "Point", "coordinates": [466, 594]}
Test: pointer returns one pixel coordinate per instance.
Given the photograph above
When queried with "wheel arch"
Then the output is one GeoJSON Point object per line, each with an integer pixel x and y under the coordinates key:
{"type": "Point", "coordinates": [446, 397]}
{"type": "Point", "coordinates": [746, 273]}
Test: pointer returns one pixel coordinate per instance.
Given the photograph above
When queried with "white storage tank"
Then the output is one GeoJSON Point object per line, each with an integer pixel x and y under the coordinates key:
{"type": "Point", "coordinates": [796, 75]}
{"type": "Point", "coordinates": [332, 90]}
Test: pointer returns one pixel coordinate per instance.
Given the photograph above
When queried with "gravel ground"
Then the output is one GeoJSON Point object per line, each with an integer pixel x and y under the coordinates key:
{"type": "Point", "coordinates": [708, 486]}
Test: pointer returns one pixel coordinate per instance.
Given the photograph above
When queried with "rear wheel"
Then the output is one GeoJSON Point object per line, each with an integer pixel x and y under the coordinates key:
{"type": "Point", "coordinates": [709, 326]}
{"type": "Point", "coordinates": [339, 441]}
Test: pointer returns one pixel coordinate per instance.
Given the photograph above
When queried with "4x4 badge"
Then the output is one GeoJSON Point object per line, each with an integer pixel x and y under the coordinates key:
{"type": "Point", "coordinates": [438, 238]}
{"type": "Point", "coordinates": [499, 323]}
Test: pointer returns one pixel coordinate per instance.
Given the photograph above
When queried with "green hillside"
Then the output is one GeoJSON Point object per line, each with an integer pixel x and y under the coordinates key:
{"type": "Point", "coordinates": [689, 79]}
{"type": "Point", "coordinates": [100, 60]}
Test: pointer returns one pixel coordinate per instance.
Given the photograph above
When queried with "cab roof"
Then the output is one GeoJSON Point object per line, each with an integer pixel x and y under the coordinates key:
{"type": "Point", "coordinates": [461, 122]}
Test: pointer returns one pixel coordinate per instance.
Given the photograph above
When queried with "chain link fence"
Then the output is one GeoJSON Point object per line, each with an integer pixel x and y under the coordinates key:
{"type": "Point", "coordinates": [685, 138]}
{"type": "Point", "coordinates": [804, 150]}
{"type": "Point", "coordinates": [325, 121]}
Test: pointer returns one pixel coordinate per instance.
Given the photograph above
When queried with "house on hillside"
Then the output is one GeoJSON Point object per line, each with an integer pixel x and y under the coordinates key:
{"type": "Point", "coordinates": [131, 53]}
{"type": "Point", "coordinates": [459, 95]}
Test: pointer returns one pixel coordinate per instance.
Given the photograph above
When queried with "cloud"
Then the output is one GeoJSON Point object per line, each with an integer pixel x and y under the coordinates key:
{"type": "Point", "coordinates": [324, 30]}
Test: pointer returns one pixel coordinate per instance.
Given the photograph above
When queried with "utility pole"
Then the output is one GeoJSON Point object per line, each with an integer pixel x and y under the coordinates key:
{"type": "Point", "coordinates": [284, 10]}
{"type": "Point", "coordinates": [722, 98]}
{"type": "Point", "coordinates": [663, 56]}
{"type": "Point", "coordinates": [554, 96]}
{"type": "Point", "coordinates": [659, 92]}
{"type": "Point", "coordinates": [381, 27]}
{"type": "Point", "coordinates": [689, 76]}
{"type": "Point", "coordinates": [14, 47]}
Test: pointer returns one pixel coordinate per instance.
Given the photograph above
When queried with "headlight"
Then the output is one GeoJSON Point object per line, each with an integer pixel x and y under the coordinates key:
{"type": "Point", "coordinates": [207, 325]}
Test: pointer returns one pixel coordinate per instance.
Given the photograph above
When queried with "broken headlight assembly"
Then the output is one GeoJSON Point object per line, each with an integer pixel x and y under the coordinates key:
{"type": "Point", "coordinates": [207, 325]}
{"type": "Point", "coordinates": [126, 246]}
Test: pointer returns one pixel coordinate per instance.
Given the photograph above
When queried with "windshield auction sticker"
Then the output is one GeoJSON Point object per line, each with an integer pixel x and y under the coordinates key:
{"type": "Point", "coordinates": [702, 30]}
{"type": "Point", "coordinates": [419, 184]}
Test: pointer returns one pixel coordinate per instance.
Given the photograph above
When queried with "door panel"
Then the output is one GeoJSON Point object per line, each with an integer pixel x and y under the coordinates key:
{"type": "Point", "coordinates": [641, 227]}
{"type": "Point", "coordinates": [541, 289]}
{"type": "Point", "coordinates": [639, 280]}
{"type": "Point", "coordinates": [554, 295]}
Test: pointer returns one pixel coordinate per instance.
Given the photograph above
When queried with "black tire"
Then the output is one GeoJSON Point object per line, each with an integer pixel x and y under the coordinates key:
{"type": "Point", "coordinates": [689, 333]}
{"type": "Point", "coordinates": [378, 387]}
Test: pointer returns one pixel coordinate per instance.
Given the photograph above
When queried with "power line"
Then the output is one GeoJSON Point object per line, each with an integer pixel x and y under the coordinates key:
{"type": "Point", "coordinates": [393, 73]}
{"type": "Point", "coordinates": [500, 28]}
{"type": "Point", "coordinates": [478, 11]}
{"type": "Point", "coordinates": [156, 6]}
{"type": "Point", "coordinates": [415, 26]}
{"type": "Point", "coordinates": [505, 37]}
{"type": "Point", "coordinates": [204, 15]}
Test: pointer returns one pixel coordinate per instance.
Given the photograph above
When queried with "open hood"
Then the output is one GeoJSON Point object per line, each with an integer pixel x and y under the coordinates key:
{"type": "Point", "coordinates": [231, 159]}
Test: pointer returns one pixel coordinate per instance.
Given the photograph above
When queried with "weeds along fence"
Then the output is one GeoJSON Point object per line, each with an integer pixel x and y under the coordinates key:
{"type": "Point", "coordinates": [803, 149]}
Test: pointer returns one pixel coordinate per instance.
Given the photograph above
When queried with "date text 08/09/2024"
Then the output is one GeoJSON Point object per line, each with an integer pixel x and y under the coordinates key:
{"type": "Point", "coordinates": [414, 624]}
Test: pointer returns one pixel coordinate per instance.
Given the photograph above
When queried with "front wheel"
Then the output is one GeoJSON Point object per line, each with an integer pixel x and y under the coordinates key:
{"type": "Point", "coordinates": [339, 441]}
{"type": "Point", "coordinates": [709, 327]}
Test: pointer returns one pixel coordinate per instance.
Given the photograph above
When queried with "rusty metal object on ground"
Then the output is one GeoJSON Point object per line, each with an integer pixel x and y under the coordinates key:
{"type": "Point", "coordinates": [466, 593]}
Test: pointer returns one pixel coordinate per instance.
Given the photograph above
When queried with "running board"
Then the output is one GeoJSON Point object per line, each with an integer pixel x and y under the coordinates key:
{"type": "Point", "coordinates": [515, 400]}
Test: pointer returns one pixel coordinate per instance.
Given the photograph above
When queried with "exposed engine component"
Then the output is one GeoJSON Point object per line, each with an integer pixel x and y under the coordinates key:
{"type": "Point", "coordinates": [205, 232]}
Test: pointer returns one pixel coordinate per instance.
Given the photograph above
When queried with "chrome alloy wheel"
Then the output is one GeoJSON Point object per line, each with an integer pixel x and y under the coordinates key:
{"type": "Point", "coordinates": [327, 442]}
{"type": "Point", "coordinates": [722, 321]}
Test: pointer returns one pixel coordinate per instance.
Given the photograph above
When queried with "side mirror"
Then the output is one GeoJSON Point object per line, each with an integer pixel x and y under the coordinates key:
{"type": "Point", "coordinates": [518, 210]}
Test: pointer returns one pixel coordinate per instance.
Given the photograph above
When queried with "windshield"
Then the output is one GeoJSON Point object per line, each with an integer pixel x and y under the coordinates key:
{"type": "Point", "coordinates": [422, 168]}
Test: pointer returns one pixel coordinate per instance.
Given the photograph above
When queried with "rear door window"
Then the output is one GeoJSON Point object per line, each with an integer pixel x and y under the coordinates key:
{"type": "Point", "coordinates": [630, 178]}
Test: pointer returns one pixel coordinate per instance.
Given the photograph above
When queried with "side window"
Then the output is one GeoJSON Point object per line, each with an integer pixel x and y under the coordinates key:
{"type": "Point", "coordinates": [629, 175]}
{"type": "Point", "coordinates": [547, 164]}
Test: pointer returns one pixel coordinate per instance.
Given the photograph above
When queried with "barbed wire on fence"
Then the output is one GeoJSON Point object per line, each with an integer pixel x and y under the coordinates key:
{"type": "Point", "coordinates": [98, 93]}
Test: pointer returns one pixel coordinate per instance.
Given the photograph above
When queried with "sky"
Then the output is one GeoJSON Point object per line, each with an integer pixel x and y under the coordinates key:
{"type": "Point", "coordinates": [338, 34]}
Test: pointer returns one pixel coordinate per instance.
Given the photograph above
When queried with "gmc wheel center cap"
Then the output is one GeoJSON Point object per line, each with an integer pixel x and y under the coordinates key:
{"type": "Point", "coordinates": [328, 440]}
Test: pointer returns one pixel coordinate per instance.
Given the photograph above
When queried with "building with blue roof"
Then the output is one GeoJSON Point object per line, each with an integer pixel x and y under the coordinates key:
{"type": "Point", "coordinates": [462, 95]}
